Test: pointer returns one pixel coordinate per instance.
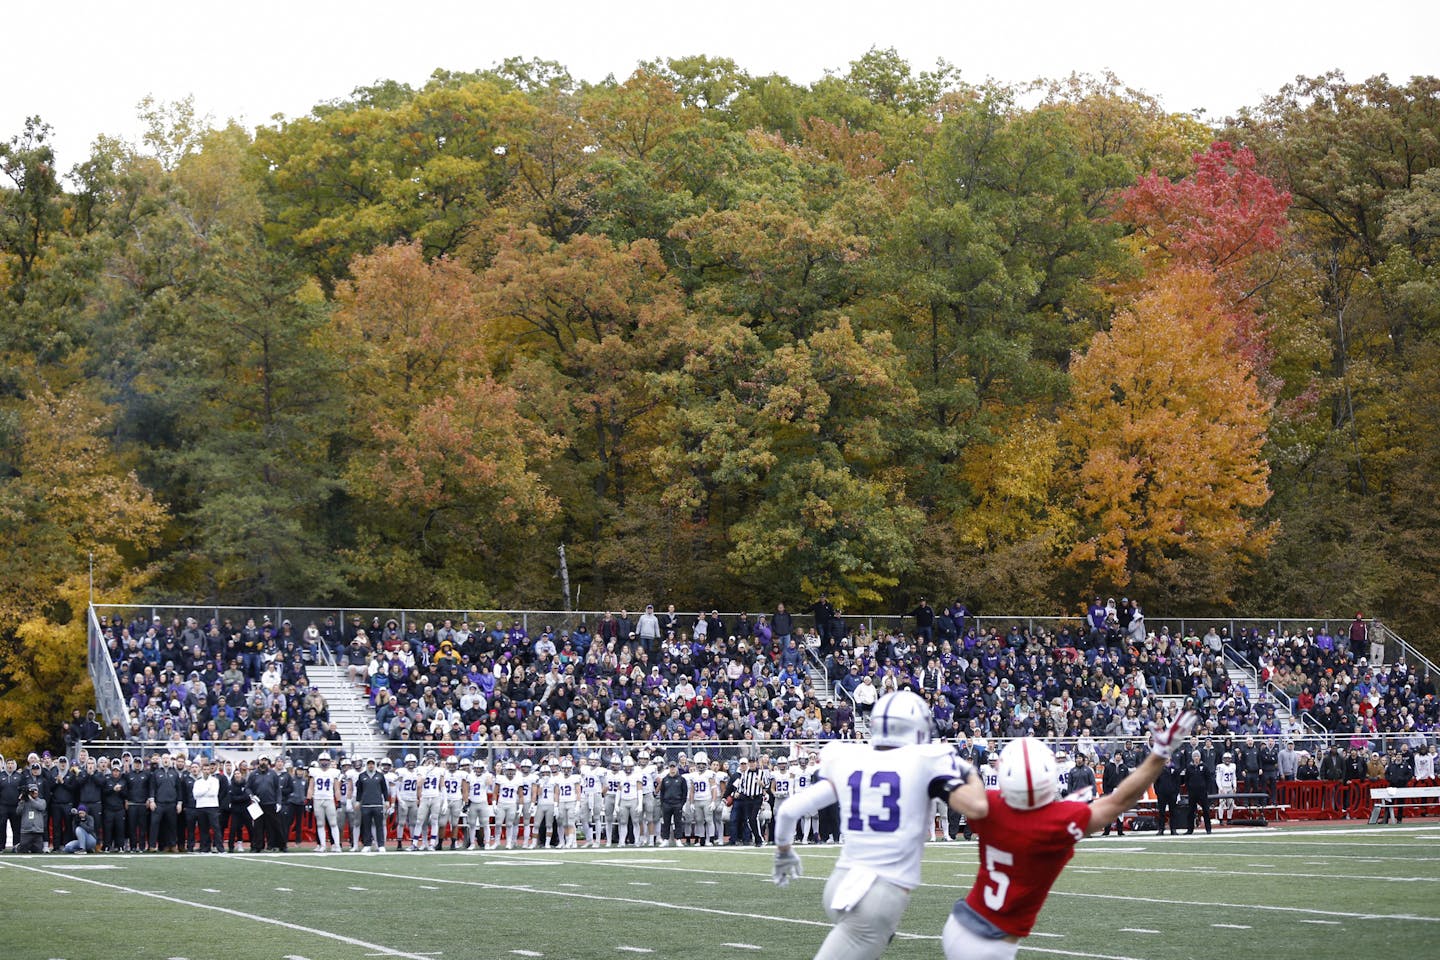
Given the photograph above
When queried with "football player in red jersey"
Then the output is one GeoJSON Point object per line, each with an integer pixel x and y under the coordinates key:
{"type": "Point", "coordinates": [1029, 835]}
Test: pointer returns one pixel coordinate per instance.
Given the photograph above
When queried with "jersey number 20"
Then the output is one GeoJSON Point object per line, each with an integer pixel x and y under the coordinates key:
{"type": "Point", "coordinates": [889, 782]}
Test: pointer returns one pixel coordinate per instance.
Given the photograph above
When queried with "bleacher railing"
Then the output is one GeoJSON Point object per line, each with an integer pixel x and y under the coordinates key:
{"type": "Point", "coordinates": [101, 668]}
{"type": "Point", "coordinates": [727, 751]}
{"type": "Point", "coordinates": [854, 625]}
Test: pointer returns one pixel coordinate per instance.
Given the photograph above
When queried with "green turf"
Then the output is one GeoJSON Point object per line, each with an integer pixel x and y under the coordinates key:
{"type": "Point", "coordinates": [1294, 894]}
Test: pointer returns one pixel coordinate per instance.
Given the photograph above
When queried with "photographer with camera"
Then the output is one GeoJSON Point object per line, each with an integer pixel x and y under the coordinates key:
{"type": "Point", "coordinates": [32, 820]}
{"type": "Point", "coordinates": [85, 839]}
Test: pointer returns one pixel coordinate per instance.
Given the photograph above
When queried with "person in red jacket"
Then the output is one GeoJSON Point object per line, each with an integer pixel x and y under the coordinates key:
{"type": "Point", "coordinates": [1027, 837]}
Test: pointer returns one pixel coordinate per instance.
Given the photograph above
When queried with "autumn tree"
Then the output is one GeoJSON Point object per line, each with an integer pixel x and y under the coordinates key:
{"type": "Point", "coordinates": [442, 466]}
{"type": "Point", "coordinates": [1164, 434]}
{"type": "Point", "coordinates": [65, 498]}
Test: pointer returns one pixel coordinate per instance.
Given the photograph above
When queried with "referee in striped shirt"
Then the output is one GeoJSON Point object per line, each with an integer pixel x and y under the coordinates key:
{"type": "Point", "coordinates": [748, 787]}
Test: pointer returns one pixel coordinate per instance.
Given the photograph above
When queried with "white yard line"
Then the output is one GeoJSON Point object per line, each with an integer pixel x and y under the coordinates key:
{"type": "Point", "coordinates": [299, 928]}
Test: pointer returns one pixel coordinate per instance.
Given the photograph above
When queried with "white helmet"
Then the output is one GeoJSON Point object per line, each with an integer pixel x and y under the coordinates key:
{"type": "Point", "coordinates": [700, 757]}
{"type": "Point", "coordinates": [629, 762]}
{"type": "Point", "coordinates": [1029, 775]}
{"type": "Point", "coordinates": [409, 758]}
{"type": "Point", "coordinates": [566, 763]}
{"type": "Point", "coordinates": [900, 719]}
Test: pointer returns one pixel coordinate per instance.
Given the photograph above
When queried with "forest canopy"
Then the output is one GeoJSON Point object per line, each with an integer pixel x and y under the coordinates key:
{"type": "Point", "coordinates": [730, 339]}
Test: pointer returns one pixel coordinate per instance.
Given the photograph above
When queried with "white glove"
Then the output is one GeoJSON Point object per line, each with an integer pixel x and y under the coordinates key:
{"type": "Point", "coordinates": [787, 866]}
{"type": "Point", "coordinates": [1164, 741]}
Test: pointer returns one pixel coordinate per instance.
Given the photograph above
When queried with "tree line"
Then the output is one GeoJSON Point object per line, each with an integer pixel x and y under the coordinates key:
{"type": "Point", "coordinates": [730, 339]}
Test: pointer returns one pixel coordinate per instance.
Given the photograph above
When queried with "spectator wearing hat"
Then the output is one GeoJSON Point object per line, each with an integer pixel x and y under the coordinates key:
{"type": "Point", "coordinates": [85, 838]}
{"type": "Point", "coordinates": [112, 808]}
{"type": "Point", "coordinates": [205, 793]}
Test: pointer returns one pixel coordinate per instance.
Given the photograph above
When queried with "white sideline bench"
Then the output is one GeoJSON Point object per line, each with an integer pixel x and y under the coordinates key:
{"type": "Point", "coordinates": [1387, 798]}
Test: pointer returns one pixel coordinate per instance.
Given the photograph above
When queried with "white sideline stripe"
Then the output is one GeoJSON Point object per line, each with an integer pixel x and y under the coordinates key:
{"type": "Point", "coordinates": [1328, 923]}
{"type": "Point", "coordinates": [1137, 930]}
{"type": "Point", "coordinates": [1231, 926]}
{"type": "Point", "coordinates": [1240, 906]}
{"type": "Point", "coordinates": [742, 946]}
{"type": "Point", "coordinates": [951, 886]}
{"type": "Point", "coordinates": [684, 907]}
{"type": "Point", "coordinates": [625, 949]}
{"type": "Point", "coordinates": [527, 953]}
{"type": "Point", "coordinates": [384, 950]}
{"type": "Point", "coordinates": [1213, 872]}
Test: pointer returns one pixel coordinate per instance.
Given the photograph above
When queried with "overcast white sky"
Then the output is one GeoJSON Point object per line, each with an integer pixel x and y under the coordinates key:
{"type": "Point", "coordinates": [83, 66]}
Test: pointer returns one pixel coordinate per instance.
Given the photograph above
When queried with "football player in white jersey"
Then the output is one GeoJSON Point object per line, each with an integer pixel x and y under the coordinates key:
{"type": "Point", "coordinates": [627, 804]}
{"type": "Point", "coordinates": [782, 785]}
{"type": "Point", "coordinates": [809, 771]}
{"type": "Point", "coordinates": [392, 809]}
{"type": "Point", "coordinates": [612, 795]}
{"type": "Point", "coordinates": [884, 789]}
{"type": "Point", "coordinates": [1226, 781]}
{"type": "Point", "coordinates": [544, 788]}
{"type": "Point", "coordinates": [702, 791]}
{"type": "Point", "coordinates": [477, 814]}
{"type": "Point", "coordinates": [649, 800]}
{"type": "Point", "coordinates": [1063, 766]}
{"type": "Point", "coordinates": [452, 787]}
{"type": "Point", "coordinates": [432, 800]}
{"type": "Point", "coordinates": [348, 804]}
{"type": "Point", "coordinates": [323, 791]}
{"type": "Point", "coordinates": [529, 794]}
{"type": "Point", "coordinates": [407, 801]}
{"type": "Point", "coordinates": [592, 798]}
{"type": "Point", "coordinates": [507, 804]}
{"type": "Point", "coordinates": [990, 776]}
{"type": "Point", "coordinates": [717, 813]}
{"type": "Point", "coordinates": [567, 802]}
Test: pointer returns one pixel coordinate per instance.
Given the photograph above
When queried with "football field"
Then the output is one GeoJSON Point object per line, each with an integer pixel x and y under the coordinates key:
{"type": "Point", "coordinates": [1348, 892]}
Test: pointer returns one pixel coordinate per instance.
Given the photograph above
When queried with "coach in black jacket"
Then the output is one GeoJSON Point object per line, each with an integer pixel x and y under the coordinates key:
{"type": "Point", "coordinates": [112, 807]}
{"type": "Point", "coordinates": [1197, 786]}
{"type": "Point", "coordinates": [10, 787]}
{"type": "Point", "coordinates": [137, 796]}
{"type": "Point", "coordinates": [674, 794]}
{"type": "Point", "coordinates": [267, 832]}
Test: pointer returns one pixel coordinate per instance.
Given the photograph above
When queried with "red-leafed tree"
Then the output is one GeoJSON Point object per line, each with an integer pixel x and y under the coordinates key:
{"type": "Point", "coordinates": [1222, 219]}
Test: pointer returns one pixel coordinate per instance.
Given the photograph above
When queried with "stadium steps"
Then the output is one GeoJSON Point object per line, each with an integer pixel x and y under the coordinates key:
{"type": "Point", "coordinates": [1260, 696]}
{"type": "Point", "coordinates": [349, 711]}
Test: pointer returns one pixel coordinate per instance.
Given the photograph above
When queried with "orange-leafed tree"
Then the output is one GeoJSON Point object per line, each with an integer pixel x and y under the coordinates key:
{"type": "Point", "coordinates": [1164, 430]}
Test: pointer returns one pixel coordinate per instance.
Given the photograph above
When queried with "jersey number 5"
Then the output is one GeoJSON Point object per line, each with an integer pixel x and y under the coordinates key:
{"type": "Point", "coordinates": [889, 782]}
{"type": "Point", "coordinates": [999, 883]}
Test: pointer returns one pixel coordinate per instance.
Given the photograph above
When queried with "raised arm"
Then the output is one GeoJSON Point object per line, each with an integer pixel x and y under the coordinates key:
{"type": "Point", "coordinates": [1162, 743]}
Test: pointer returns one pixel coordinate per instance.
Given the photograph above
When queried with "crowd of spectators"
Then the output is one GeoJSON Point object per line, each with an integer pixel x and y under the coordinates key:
{"type": "Point", "coordinates": [220, 683]}
{"type": "Point", "coordinates": [704, 677]}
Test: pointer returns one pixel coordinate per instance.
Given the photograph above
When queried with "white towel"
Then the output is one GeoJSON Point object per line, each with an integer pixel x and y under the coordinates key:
{"type": "Point", "coordinates": [853, 888]}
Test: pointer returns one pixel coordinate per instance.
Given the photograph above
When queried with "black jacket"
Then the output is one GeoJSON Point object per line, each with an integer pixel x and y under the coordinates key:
{"type": "Point", "coordinates": [1197, 782]}
{"type": "Point", "coordinates": [674, 789]}
{"type": "Point", "coordinates": [137, 785]}
{"type": "Point", "coordinates": [265, 788]}
{"type": "Point", "coordinates": [165, 787]}
{"type": "Point", "coordinates": [239, 794]}
{"type": "Point", "coordinates": [113, 794]}
{"type": "Point", "coordinates": [372, 789]}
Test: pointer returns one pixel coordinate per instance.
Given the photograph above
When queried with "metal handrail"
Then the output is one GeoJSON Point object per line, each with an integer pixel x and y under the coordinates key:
{"type": "Point", "coordinates": [531, 619]}
{"type": "Point", "coordinates": [103, 678]}
{"type": "Point", "coordinates": [1315, 743]}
